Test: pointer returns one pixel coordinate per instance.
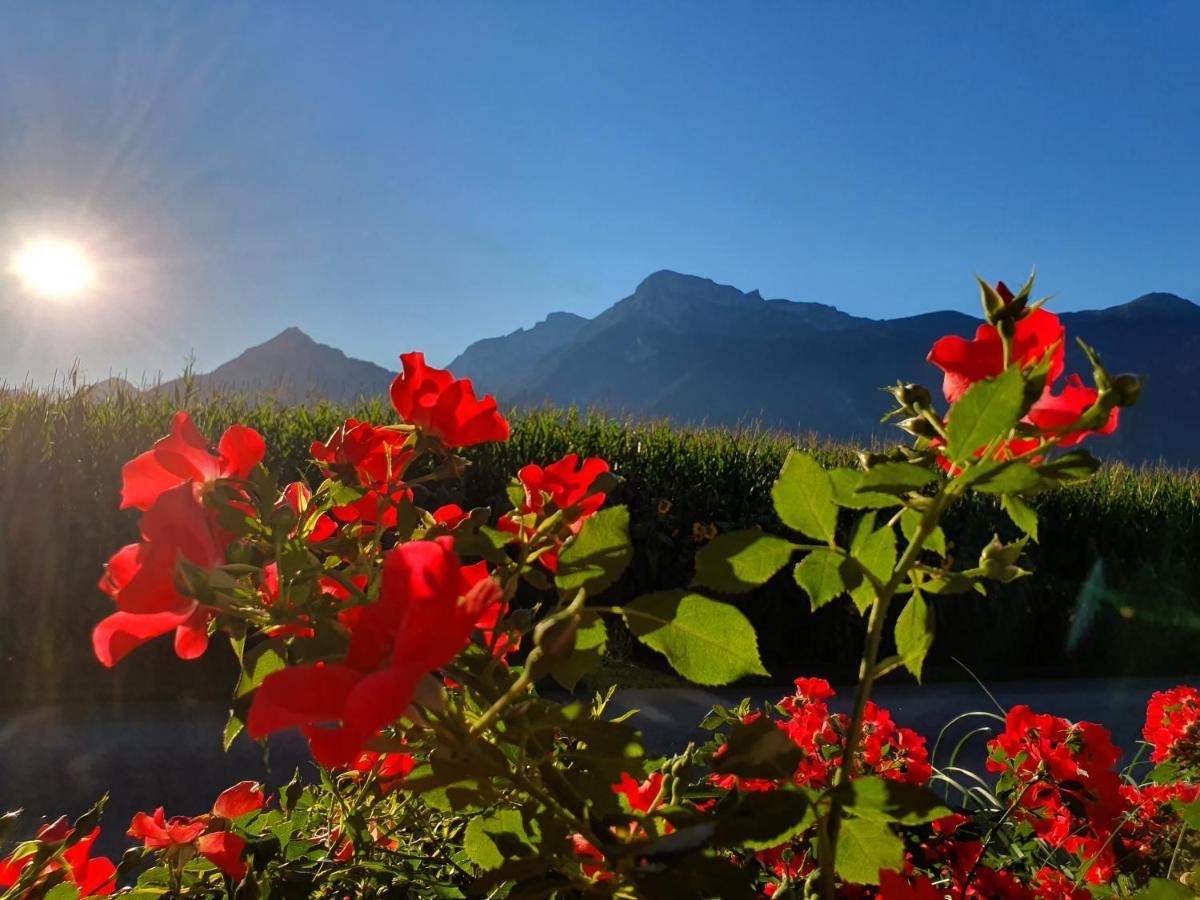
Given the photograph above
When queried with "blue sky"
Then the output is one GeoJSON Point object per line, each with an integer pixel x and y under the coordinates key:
{"type": "Point", "coordinates": [399, 176]}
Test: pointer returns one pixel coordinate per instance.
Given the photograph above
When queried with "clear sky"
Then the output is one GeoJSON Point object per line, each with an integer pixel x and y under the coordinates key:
{"type": "Point", "coordinates": [399, 176]}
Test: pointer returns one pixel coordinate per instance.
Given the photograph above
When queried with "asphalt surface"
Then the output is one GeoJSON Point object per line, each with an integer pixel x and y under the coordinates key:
{"type": "Point", "coordinates": [60, 760]}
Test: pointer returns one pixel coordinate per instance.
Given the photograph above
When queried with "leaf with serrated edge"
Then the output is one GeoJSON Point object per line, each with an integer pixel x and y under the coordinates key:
{"type": "Point", "coordinates": [706, 641]}
{"type": "Point", "coordinates": [824, 574]}
{"type": "Point", "coordinates": [877, 554]}
{"type": "Point", "coordinates": [803, 497]}
{"type": "Point", "coordinates": [1022, 515]}
{"type": "Point", "coordinates": [914, 633]}
{"type": "Point", "coordinates": [598, 555]}
{"type": "Point", "coordinates": [740, 561]}
{"type": "Point", "coordinates": [863, 848]}
{"type": "Point", "coordinates": [988, 410]}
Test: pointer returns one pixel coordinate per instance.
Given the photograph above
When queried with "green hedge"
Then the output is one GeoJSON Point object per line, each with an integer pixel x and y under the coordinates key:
{"type": "Point", "coordinates": [1115, 590]}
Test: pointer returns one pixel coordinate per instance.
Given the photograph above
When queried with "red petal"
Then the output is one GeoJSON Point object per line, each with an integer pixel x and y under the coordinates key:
{"type": "Point", "coordinates": [241, 449]}
{"type": "Point", "coordinates": [224, 850]}
{"type": "Point", "coordinates": [117, 635]}
{"type": "Point", "coordinates": [143, 479]}
{"type": "Point", "coordinates": [300, 695]}
{"type": "Point", "coordinates": [244, 797]}
{"type": "Point", "coordinates": [191, 637]}
{"type": "Point", "coordinates": [184, 452]}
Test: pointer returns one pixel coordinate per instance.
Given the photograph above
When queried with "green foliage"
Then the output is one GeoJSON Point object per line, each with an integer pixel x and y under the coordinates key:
{"type": "Point", "coordinates": [803, 497]}
{"type": "Point", "coordinates": [705, 641]}
{"type": "Point", "coordinates": [598, 556]}
{"type": "Point", "coordinates": [986, 411]}
{"type": "Point", "coordinates": [864, 847]}
{"type": "Point", "coordinates": [741, 560]}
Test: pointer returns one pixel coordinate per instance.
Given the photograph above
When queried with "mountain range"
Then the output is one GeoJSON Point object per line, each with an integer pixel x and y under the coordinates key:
{"type": "Point", "coordinates": [697, 352]}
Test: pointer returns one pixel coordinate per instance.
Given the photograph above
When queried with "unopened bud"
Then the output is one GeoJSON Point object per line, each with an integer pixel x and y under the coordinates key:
{"type": "Point", "coordinates": [920, 427]}
{"type": "Point", "coordinates": [912, 396]}
{"type": "Point", "coordinates": [556, 638]}
{"type": "Point", "coordinates": [869, 460]}
{"type": "Point", "coordinates": [1126, 388]}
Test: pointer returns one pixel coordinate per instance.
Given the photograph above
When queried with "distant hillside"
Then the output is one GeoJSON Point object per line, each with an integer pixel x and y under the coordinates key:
{"type": "Point", "coordinates": [694, 351]}
{"type": "Point", "coordinates": [293, 368]}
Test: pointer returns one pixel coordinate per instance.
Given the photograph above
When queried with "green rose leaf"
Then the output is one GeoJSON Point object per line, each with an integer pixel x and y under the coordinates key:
{"type": "Point", "coordinates": [988, 410]}
{"type": "Point", "coordinates": [910, 521]}
{"type": "Point", "coordinates": [887, 800]}
{"type": "Point", "coordinates": [257, 665]}
{"type": "Point", "coordinates": [877, 554]}
{"type": "Point", "coordinates": [741, 561]}
{"type": "Point", "coordinates": [803, 497]}
{"type": "Point", "coordinates": [1190, 813]}
{"type": "Point", "coordinates": [1005, 477]}
{"type": "Point", "coordinates": [500, 835]}
{"type": "Point", "coordinates": [895, 478]}
{"type": "Point", "coordinates": [914, 633]}
{"type": "Point", "coordinates": [705, 641]}
{"type": "Point", "coordinates": [847, 495]}
{"type": "Point", "coordinates": [758, 820]}
{"type": "Point", "coordinates": [1164, 889]}
{"type": "Point", "coordinates": [1021, 514]}
{"type": "Point", "coordinates": [598, 555]}
{"type": "Point", "coordinates": [591, 640]}
{"type": "Point", "coordinates": [864, 847]}
{"type": "Point", "coordinates": [1070, 468]}
{"type": "Point", "coordinates": [824, 574]}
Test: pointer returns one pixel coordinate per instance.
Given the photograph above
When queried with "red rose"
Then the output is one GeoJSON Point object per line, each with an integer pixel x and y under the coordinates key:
{"type": "Point", "coordinates": [563, 485]}
{"type": "Point", "coordinates": [94, 877]}
{"type": "Point", "coordinates": [446, 407]}
{"type": "Point", "coordinates": [968, 361]}
{"type": "Point", "coordinates": [205, 834]}
{"type": "Point", "coordinates": [140, 579]}
{"type": "Point", "coordinates": [425, 614]}
{"type": "Point", "coordinates": [183, 456]}
{"type": "Point", "coordinates": [376, 455]}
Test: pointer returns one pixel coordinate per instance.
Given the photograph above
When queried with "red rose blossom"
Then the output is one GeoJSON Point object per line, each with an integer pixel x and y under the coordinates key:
{"type": "Point", "coordinates": [445, 407]}
{"type": "Point", "coordinates": [93, 876]}
{"type": "Point", "coordinates": [184, 456]}
{"type": "Point", "coordinates": [425, 614]}
{"type": "Point", "coordinates": [375, 455]}
{"type": "Point", "coordinates": [140, 579]}
{"type": "Point", "coordinates": [207, 834]}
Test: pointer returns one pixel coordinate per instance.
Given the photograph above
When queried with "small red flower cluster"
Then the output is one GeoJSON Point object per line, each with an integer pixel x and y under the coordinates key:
{"type": "Point", "coordinates": [885, 749]}
{"type": "Point", "coordinates": [1173, 726]}
{"type": "Point", "coordinates": [74, 864]}
{"type": "Point", "coordinates": [180, 837]}
{"type": "Point", "coordinates": [566, 486]}
{"type": "Point", "coordinates": [169, 484]}
{"type": "Point", "coordinates": [1062, 780]}
{"type": "Point", "coordinates": [1038, 337]}
{"type": "Point", "coordinates": [445, 407]}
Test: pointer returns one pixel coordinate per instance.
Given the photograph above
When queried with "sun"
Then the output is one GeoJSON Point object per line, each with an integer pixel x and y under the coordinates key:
{"type": "Point", "coordinates": [55, 269]}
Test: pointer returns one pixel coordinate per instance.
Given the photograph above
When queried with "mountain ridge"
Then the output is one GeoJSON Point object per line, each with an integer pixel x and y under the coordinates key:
{"type": "Point", "coordinates": [691, 350]}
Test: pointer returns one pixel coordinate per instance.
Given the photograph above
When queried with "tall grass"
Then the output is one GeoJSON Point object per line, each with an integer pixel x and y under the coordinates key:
{"type": "Point", "coordinates": [1115, 590]}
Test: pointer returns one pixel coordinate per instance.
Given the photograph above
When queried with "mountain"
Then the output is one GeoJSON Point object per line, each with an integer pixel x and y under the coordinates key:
{"type": "Point", "coordinates": [292, 368]}
{"type": "Point", "coordinates": [688, 349]}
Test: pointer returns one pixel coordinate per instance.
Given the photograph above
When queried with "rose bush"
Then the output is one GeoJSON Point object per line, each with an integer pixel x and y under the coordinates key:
{"type": "Point", "coordinates": [407, 643]}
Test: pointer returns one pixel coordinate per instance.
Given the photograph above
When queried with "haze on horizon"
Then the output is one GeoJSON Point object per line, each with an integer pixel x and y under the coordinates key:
{"type": "Point", "coordinates": [391, 177]}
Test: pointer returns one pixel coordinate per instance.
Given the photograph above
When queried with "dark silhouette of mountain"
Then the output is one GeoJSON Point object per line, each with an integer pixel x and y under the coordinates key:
{"type": "Point", "coordinates": [293, 368]}
{"type": "Point", "coordinates": [688, 349]}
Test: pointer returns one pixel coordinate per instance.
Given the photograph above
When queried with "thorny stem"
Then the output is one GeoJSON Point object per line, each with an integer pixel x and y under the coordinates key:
{"type": "Point", "coordinates": [867, 673]}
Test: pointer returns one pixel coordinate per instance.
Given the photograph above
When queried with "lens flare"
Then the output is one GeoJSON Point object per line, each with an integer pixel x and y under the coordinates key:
{"type": "Point", "coordinates": [55, 269]}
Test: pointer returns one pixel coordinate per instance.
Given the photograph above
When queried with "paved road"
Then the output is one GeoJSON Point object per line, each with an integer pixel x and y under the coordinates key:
{"type": "Point", "coordinates": [60, 760]}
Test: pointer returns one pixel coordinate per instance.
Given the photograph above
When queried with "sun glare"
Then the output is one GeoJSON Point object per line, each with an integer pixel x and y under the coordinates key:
{"type": "Point", "coordinates": [55, 269]}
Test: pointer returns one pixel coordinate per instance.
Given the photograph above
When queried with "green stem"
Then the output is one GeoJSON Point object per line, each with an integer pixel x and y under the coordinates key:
{"type": "Point", "coordinates": [867, 673]}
